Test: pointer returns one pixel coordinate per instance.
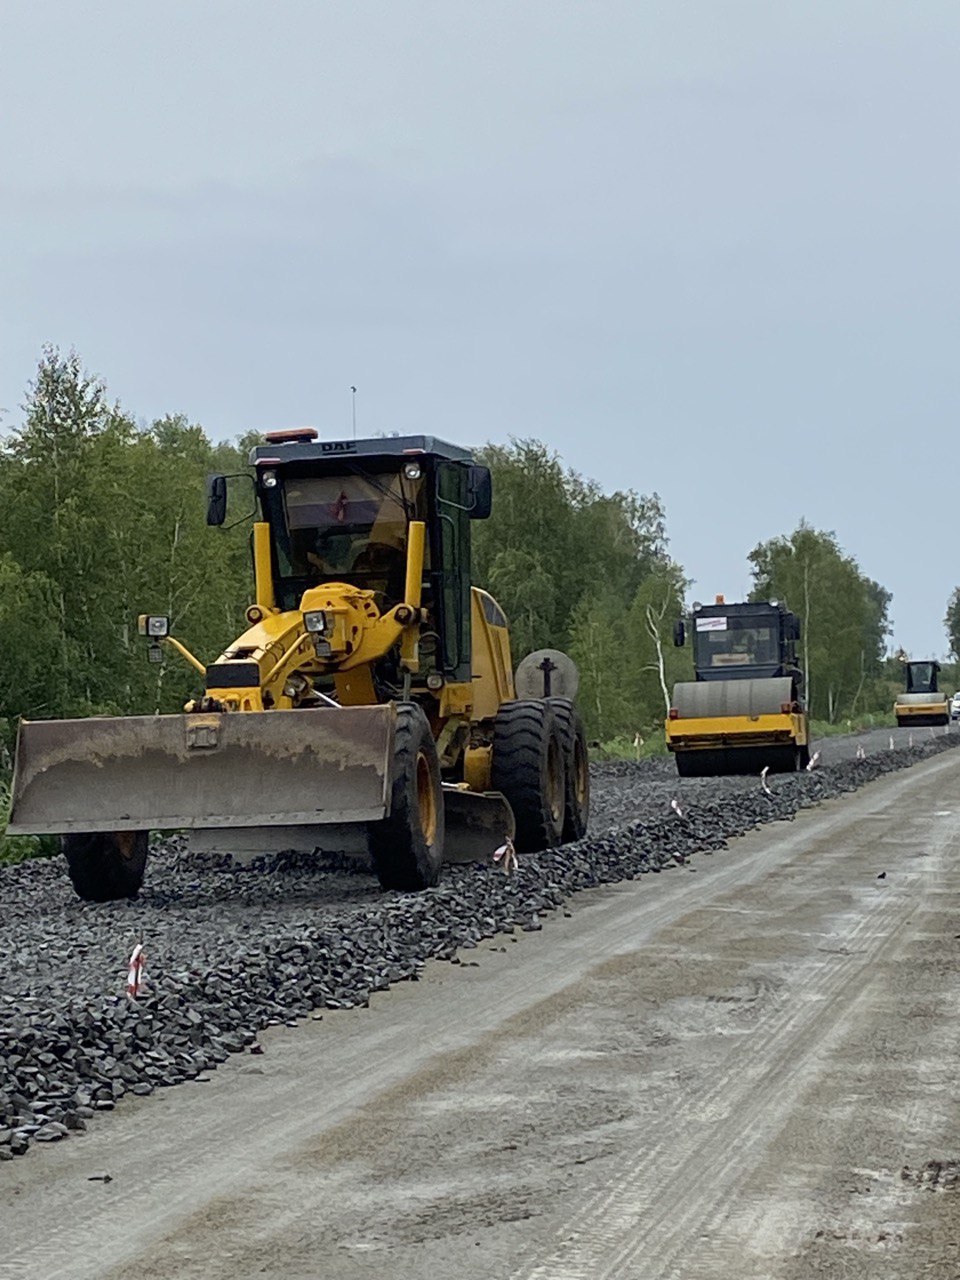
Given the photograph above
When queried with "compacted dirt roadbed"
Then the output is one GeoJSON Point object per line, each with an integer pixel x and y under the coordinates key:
{"type": "Point", "coordinates": [753, 1075]}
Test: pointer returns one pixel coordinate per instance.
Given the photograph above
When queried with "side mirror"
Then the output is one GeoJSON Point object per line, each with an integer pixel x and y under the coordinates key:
{"type": "Point", "coordinates": [796, 628]}
{"type": "Point", "coordinates": [679, 633]}
{"type": "Point", "coordinates": [481, 492]}
{"type": "Point", "coordinates": [216, 499]}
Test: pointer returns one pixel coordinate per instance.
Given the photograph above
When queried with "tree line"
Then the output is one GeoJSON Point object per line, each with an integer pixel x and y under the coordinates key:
{"type": "Point", "coordinates": [102, 517]}
{"type": "Point", "coordinates": [844, 618]}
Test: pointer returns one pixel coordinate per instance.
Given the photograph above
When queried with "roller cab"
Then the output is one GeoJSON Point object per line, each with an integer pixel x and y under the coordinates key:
{"type": "Point", "coordinates": [744, 711]}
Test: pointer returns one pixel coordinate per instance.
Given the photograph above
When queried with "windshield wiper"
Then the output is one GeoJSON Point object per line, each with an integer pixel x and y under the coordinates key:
{"type": "Point", "coordinates": [401, 499]}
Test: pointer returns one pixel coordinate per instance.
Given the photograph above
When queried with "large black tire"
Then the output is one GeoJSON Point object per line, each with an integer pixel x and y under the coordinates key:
{"type": "Point", "coordinates": [528, 768]}
{"type": "Point", "coordinates": [577, 767]}
{"type": "Point", "coordinates": [106, 865]}
{"type": "Point", "coordinates": [407, 846]}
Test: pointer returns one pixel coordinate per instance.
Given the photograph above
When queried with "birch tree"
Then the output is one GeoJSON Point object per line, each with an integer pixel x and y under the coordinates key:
{"type": "Point", "coordinates": [844, 614]}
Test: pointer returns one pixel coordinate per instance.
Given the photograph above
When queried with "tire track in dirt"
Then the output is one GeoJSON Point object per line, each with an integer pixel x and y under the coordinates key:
{"type": "Point", "coordinates": [708, 1146]}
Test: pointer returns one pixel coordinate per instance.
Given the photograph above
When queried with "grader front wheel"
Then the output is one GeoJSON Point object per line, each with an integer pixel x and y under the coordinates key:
{"type": "Point", "coordinates": [106, 865]}
{"type": "Point", "coordinates": [407, 846]}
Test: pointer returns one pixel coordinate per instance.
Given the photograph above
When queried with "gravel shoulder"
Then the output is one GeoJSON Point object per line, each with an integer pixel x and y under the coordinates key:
{"type": "Point", "coordinates": [743, 1068]}
{"type": "Point", "coordinates": [648, 786]}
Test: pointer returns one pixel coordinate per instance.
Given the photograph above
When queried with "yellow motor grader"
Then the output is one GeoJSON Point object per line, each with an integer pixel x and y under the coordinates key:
{"type": "Point", "coordinates": [371, 696]}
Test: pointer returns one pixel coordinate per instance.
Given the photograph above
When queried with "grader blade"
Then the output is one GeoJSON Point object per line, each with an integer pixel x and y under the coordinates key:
{"type": "Point", "coordinates": [477, 824]}
{"type": "Point", "coordinates": [248, 769]}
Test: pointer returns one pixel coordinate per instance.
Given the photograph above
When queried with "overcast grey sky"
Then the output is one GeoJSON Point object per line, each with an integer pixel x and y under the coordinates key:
{"type": "Point", "coordinates": [703, 247]}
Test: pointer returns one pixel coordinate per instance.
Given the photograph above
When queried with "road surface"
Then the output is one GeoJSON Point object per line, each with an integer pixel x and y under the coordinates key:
{"type": "Point", "coordinates": [745, 1070]}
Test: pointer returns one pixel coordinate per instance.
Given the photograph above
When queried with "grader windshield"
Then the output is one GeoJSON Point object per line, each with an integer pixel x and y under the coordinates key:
{"type": "Point", "coordinates": [347, 528]}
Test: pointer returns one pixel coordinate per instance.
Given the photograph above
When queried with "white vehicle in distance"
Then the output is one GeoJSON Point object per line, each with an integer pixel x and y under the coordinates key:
{"type": "Point", "coordinates": [955, 707]}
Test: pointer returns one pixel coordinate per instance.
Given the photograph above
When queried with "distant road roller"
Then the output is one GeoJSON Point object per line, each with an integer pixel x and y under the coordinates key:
{"type": "Point", "coordinates": [745, 709]}
{"type": "Point", "coordinates": [921, 702]}
{"type": "Point", "coordinates": [370, 701]}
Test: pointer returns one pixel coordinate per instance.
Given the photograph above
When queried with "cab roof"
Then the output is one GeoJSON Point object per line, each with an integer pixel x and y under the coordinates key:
{"type": "Point", "coordinates": [300, 450]}
{"type": "Point", "coordinates": [721, 609]}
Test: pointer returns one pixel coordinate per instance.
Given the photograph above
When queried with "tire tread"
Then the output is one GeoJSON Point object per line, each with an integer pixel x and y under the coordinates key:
{"type": "Point", "coordinates": [521, 741]}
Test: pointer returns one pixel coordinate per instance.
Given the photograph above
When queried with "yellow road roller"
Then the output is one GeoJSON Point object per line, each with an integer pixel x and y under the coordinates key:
{"type": "Point", "coordinates": [921, 702]}
{"type": "Point", "coordinates": [744, 711]}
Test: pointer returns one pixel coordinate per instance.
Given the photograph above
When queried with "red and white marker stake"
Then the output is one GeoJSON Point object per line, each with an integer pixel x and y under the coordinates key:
{"type": "Point", "coordinates": [135, 971]}
{"type": "Point", "coordinates": [506, 854]}
{"type": "Point", "coordinates": [814, 761]}
{"type": "Point", "coordinates": [675, 806]}
{"type": "Point", "coordinates": [763, 780]}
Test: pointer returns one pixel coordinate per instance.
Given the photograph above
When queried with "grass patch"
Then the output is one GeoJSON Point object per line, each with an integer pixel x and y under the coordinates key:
{"type": "Point", "coordinates": [625, 748]}
{"type": "Point", "coordinates": [860, 724]}
{"type": "Point", "coordinates": [14, 849]}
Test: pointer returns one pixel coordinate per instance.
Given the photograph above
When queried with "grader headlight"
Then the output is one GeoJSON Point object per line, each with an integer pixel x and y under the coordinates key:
{"type": "Point", "coordinates": [156, 626]}
{"type": "Point", "coordinates": [315, 621]}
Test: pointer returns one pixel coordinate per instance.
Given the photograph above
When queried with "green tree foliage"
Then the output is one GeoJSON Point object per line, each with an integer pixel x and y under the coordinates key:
{"type": "Point", "coordinates": [600, 645]}
{"type": "Point", "coordinates": [556, 537]}
{"type": "Point", "coordinates": [29, 642]}
{"type": "Point", "coordinates": [100, 520]}
{"type": "Point", "coordinates": [843, 615]}
{"type": "Point", "coordinates": [579, 569]}
{"type": "Point", "coordinates": [657, 664]}
{"type": "Point", "coordinates": [624, 689]}
{"type": "Point", "coordinates": [952, 622]}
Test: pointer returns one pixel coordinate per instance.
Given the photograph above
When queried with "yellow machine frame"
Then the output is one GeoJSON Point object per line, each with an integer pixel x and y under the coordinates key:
{"type": "Point", "coordinates": [730, 731]}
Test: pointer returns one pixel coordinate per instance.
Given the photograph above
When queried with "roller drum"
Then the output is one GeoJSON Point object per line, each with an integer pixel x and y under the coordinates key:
{"type": "Point", "coordinates": [921, 699]}
{"type": "Point", "coordinates": [703, 699]}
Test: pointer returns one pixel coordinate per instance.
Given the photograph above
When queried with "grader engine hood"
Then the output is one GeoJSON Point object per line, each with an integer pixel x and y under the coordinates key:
{"type": "Point", "coordinates": [274, 768]}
